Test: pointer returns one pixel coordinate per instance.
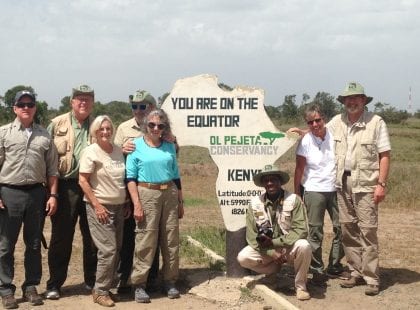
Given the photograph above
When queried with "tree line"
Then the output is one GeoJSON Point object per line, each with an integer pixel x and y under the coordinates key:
{"type": "Point", "coordinates": [289, 112]}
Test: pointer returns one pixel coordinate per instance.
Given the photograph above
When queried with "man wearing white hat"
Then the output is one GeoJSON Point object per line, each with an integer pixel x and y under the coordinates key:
{"type": "Point", "coordinates": [362, 152]}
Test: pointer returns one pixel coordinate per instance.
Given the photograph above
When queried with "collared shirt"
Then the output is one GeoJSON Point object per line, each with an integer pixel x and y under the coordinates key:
{"type": "Point", "coordinates": [24, 159]}
{"type": "Point", "coordinates": [127, 130]}
{"type": "Point", "coordinates": [81, 141]}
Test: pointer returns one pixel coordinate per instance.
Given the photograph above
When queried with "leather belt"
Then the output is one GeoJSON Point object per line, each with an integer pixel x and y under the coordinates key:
{"type": "Point", "coordinates": [22, 187]}
{"type": "Point", "coordinates": [159, 186]}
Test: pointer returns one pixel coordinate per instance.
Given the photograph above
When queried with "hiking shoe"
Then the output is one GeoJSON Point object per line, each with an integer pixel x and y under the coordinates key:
{"type": "Point", "coordinates": [103, 300]}
{"type": "Point", "coordinates": [9, 302]}
{"type": "Point", "coordinates": [302, 294]}
{"type": "Point", "coordinates": [372, 290]}
{"type": "Point", "coordinates": [31, 295]}
{"type": "Point", "coordinates": [171, 291]}
{"type": "Point", "coordinates": [140, 295]}
{"type": "Point", "coordinates": [352, 282]}
{"type": "Point", "coordinates": [53, 294]}
{"type": "Point", "coordinates": [338, 274]}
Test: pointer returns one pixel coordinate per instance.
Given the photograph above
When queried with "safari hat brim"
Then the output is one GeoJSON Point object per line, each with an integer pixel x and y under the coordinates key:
{"type": "Point", "coordinates": [271, 170]}
{"type": "Point", "coordinates": [353, 88]}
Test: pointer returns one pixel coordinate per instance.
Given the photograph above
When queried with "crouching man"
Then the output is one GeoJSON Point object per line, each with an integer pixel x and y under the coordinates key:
{"type": "Point", "coordinates": [276, 230]}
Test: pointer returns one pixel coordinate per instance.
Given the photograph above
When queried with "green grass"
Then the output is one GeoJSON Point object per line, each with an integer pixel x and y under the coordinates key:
{"type": "Point", "coordinates": [212, 237]}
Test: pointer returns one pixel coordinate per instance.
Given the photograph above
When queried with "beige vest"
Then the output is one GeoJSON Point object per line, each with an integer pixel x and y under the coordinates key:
{"type": "Point", "coordinates": [364, 151]}
{"type": "Point", "coordinates": [63, 135]}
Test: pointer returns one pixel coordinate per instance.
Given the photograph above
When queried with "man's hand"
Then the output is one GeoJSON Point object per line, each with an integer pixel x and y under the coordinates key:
{"type": "Point", "coordinates": [51, 207]}
{"type": "Point", "coordinates": [379, 194]}
{"type": "Point", "coordinates": [279, 256]}
{"type": "Point", "coordinates": [264, 241]}
{"type": "Point", "coordinates": [1, 204]}
{"type": "Point", "coordinates": [128, 146]}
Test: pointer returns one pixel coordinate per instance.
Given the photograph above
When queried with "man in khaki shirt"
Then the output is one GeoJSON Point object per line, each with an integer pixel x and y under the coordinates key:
{"type": "Point", "coordinates": [28, 160]}
{"type": "Point", "coordinates": [141, 104]}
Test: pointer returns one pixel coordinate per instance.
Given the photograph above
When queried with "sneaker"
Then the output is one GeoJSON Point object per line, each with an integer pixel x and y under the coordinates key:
{"type": "Point", "coordinates": [171, 291]}
{"type": "Point", "coordinates": [53, 294]}
{"type": "Point", "coordinates": [140, 295]}
{"type": "Point", "coordinates": [352, 282]}
{"type": "Point", "coordinates": [302, 294]}
{"type": "Point", "coordinates": [103, 300]}
{"type": "Point", "coordinates": [9, 302]}
{"type": "Point", "coordinates": [31, 295]}
{"type": "Point", "coordinates": [372, 290]}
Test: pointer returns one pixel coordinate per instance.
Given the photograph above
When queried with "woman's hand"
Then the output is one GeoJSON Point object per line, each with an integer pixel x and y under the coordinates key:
{"type": "Point", "coordinates": [102, 214]}
{"type": "Point", "coordinates": [138, 213]}
{"type": "Point", "coordinates": [127, 211]}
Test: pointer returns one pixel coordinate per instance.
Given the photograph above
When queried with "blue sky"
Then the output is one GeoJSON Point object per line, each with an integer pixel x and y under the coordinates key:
{"type": "Point", "coordinates": [283, 47]}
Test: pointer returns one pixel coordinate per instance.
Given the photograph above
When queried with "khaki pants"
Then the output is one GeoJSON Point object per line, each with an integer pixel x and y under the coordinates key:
{"type": "Point", "coordinates": [108, 240]}
{"type": "Point", "coordinates": [359, 224]}
{"type": "Point", "coordinates": [300, 255]}
{"type": "Point", "coordinates": [160, 220]}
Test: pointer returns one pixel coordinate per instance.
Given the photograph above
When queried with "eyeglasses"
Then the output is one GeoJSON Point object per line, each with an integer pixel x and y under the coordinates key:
{"type": "Point", "coordinates": [141, 107]}
{"type": "Point", "coordinates": [317, 120]}
{"type": "Point", "coordinates": [152, 125]}
{"type": "Point", "coordinates": [21, 105]}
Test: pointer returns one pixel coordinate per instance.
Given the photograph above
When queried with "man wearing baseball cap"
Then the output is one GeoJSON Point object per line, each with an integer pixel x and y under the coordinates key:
{"type": "Point", "coordinates": [362, 154]}
{"type": "Point", "coordinates": [276, 230]}
{"type": "Point", "coordinates": [70, 132]}
{"type": "Point", "coordinates": [28, 161]}
{"type": "Point", "coordinates": [142, 102]}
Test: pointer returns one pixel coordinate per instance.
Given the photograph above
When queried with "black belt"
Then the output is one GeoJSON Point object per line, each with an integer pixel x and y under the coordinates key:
{"type": "Point", "coordinates": [23, 187]}
{"type": "Point", "coordinates": [347, 173]}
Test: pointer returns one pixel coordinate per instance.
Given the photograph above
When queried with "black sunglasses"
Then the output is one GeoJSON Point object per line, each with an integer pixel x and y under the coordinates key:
{"type": "Point", "coordinates": [21, 105]}
{"type": "Point", "coordinates": [317, 120]}
{"type": "Point", "coordinates": [152, 125]}
{"type": "Point", "coordinates": [141, 106]}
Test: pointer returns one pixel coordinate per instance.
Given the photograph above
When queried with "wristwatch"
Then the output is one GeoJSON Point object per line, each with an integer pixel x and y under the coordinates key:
{"type": "Point", "coordinates": [54, 195]}
{"type": "Point", "coordinates": [383, 184]}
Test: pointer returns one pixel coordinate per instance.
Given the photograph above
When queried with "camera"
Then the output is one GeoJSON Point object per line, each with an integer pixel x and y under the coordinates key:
{"type": "Point", "coordinates": [264, 230]}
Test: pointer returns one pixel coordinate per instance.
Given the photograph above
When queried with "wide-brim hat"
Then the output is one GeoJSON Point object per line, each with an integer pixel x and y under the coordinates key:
{"type": "Point", "coordinates": [82, 90]}
{"type": "Point", "coordinates": [271, 170]}
{"type": "Point", "coordinates": [353, 88]}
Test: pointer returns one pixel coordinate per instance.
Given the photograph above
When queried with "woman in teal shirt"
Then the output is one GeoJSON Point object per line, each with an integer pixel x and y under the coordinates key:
{"type": "Point", "coordinates": [155, 188]}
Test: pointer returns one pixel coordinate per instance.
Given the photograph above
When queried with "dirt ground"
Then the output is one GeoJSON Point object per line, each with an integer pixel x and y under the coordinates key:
{"type": "Point", "coordinates": [399, 239]}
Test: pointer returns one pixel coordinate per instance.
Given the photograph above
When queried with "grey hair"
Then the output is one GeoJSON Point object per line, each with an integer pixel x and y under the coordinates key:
{"type": "Point", "coordinates": [163, 117]}
{"type": "Point", "coordinates": [313, 108]}
{"type": "Point", "coordinates": [96, 124]}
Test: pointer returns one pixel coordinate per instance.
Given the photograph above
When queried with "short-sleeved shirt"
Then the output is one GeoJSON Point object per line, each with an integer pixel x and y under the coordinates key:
{"type": "Point", "coordinates": [127, 130]}
{"type": "Point", "coordinates": [319, 174]}
{"type": "Point", "coordinates": [107, 173]}
{"type": "Point", "coordinates": [152, 164]}
{"type": "Point", "coordinates": [26, 156]}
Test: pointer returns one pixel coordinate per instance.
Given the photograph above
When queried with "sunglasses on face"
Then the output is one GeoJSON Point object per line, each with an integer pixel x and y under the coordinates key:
{"type": "Point", "coordinates": [141, 106]}
{"type": "Point", "coordinates": [317, 120]}
{"type": "Point", "coordinates": [152, 125]}
{"type": "Point", "coordinates": [21, 105]}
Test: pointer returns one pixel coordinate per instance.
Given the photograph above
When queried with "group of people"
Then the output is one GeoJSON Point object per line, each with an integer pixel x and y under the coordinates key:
{"type": "Point", "coordinates": [341, 167]}
{"type": "Point", "coordinates": [125, 192]}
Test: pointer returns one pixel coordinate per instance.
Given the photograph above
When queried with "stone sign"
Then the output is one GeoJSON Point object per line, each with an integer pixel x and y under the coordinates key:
{"type": "Point", "coordinates": [235, 128]}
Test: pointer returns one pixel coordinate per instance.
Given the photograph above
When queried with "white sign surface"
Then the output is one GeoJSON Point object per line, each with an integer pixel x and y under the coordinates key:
{"type": "Point", "coordinates": [235, 128]}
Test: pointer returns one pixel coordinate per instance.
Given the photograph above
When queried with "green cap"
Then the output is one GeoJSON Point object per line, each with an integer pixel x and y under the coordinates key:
{"type": "Point", "coordinates": [142, 95]}
{"type": "Point", "coordinates": [271, 170]}
{"type": "Point", "coordinates": [82, 90]}
{"type": "Point", "coordinates": [353, 88]}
